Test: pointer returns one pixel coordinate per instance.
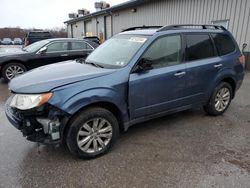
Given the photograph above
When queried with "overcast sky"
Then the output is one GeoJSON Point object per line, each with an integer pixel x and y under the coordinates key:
{"type": "Point", "coordinates": [42, 14]}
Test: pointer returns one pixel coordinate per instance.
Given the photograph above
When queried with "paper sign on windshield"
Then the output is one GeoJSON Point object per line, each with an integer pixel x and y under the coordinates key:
{"type": "Point", "coordinates": [137, 39]}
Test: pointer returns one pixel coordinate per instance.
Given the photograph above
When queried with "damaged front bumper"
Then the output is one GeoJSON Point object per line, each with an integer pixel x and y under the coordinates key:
{"type": "Point", "coordinates": [45, 124]}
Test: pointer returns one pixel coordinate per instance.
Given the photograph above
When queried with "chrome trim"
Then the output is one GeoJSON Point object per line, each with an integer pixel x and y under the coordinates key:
{"type": "Point", "coordinates": [46, 45]}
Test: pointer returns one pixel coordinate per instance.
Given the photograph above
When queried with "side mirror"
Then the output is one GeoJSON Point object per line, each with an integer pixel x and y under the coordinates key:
{"type": "Point", "coordinates": [42, 50]}
{"type": "Point", "coordinates": [244, 45]}
{"type": "Point", "coordinates": [144, 65]}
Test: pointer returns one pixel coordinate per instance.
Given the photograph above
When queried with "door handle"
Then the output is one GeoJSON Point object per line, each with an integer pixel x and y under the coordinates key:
{"type": "Point", "coordinates": [217, 65]}
{"type": "Point", "coordinates": [64, 55]}
{"type": "Point", "coordinates": [180, 73]}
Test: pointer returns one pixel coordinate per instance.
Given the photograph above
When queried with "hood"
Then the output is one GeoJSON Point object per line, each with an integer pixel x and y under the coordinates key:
{"type": "Point", "coordinates": [11, 51]}
{"type": "Point", "coordinates": [46, 78]}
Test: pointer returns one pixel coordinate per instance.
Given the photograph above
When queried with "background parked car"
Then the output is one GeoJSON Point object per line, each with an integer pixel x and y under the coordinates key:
{"type": "Point", "coordinates": [6, 41]}
{"type": "Point", "coordinates": [17, 41]}
{"type": "Point", "coordinates": [43, 53]}
{"type": "Point", "coordinates": [93, 39]}
{"type": "Point", "coordinates": [35, 36]}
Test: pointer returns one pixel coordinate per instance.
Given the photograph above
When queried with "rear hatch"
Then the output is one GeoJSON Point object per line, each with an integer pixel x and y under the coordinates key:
{"type": "Point", "coordinates": [36, 36]}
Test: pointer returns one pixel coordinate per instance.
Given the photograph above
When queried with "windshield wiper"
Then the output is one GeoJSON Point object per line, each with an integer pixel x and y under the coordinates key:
{"type": "Point", "coordinates": [94, 64]}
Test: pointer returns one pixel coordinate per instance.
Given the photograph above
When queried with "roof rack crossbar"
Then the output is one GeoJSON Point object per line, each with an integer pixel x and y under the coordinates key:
{"type": "Point", "coordinates": [182, 26]}
{"type": "Point", "coordinates": [142, 27]}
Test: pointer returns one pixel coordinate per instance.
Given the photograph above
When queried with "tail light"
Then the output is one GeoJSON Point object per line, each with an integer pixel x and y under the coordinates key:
{"type": "Point", "coordinates": [242, 59]}
{"type": "Point", "coordinates": [26, 42]}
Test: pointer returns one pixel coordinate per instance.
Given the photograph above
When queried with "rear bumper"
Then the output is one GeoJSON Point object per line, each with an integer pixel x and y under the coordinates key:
{"type": "Point", "coordinates": [240, 80]}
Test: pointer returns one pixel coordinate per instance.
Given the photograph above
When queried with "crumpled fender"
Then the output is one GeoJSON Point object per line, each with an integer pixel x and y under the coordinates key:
{"type": "Point", "coordinates": [88, 97]}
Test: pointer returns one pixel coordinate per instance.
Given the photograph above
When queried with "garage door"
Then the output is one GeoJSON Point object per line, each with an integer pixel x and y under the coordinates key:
{"type": "Point", "coordinates": [88, 28]}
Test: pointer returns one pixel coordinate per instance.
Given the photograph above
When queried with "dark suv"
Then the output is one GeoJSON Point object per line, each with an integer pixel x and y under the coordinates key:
{"type": "Point", "coordinates": [35, 36]}
{"type": "Point", "coordinates": [133, 77]}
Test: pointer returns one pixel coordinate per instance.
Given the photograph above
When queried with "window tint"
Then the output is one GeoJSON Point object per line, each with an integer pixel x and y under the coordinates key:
{"type": "Point", "coordinates": [57, 47]}
{"type": "Point", "coordinates": [164, 52]}
{"type": "Point", "coordinates": [39, 34]}
{"type": "Point", "coordinates": [199, 46]}
{"type": "Point", "coordinates": [224, 44]}
{"type": "Point", "coordinates": [80, 46]}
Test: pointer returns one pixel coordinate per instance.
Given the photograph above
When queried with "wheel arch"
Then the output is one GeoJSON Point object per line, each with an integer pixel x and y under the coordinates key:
{"type": "Point", "coordinates": [225, 75]}
{"type": "Point", "coordinates": [103, 104]}
{"type": "Point", "coordinates": [13, 61]}
{"type": "Point", "coordinates": [231, 82]}
{"type": "Point", "coordinates": [3, 64]}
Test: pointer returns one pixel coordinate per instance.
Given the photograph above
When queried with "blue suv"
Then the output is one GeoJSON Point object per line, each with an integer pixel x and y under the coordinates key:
{"type": "Point", "coordinates": [137, 75]}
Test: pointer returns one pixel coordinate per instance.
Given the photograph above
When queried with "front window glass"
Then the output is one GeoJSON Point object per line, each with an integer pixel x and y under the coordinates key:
{"type": "Point", "coordinates": [117, 51]}
{"type": "Point", "coordinates": [165, 51]}
{"type": "Point", "coordinates": [36, 46]}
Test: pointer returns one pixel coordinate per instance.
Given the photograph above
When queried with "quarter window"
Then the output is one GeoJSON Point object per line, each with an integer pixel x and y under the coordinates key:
{"type": "Point", "coordinates": [224, 44]}
{"type": "Point", "coordinates": [57, 47]}
{"type": "Point", "coordinates": [80, 46]}
{"type": "Point", "coordinates": [199, 46]}
{"type": "Point", "coordinates": [165, 51]}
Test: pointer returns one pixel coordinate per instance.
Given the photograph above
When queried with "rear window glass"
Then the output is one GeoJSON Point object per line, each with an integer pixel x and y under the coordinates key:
{"type": "Point", "coordinates": [224, 44]}
{"type": "Point", "coordinates": [199, 46]}
{"type": "Point", "coordinates": [80, 46]}
{"type": "Point", "coordinates": [39, 34]}
{"type": "Point", "coordinates": [57, 47]}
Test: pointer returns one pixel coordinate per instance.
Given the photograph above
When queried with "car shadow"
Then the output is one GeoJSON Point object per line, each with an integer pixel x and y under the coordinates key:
{"type": "Point", "coordinates": [41, 159]}
{"type": "Point", "coordinates": [164, 123]}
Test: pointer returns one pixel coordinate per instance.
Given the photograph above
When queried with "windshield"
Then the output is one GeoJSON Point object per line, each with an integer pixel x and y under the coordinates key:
{"type": "Point", "coordinates": [117, 51]}
{"type": "Point", "coordinates": [7, 39]}
{"type": "Point", "coordinates": [36, 46]}
{"type": "Point", "coordinates": [17, 39]}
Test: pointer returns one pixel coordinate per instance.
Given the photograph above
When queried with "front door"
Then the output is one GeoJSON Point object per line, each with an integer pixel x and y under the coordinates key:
{"type": "Point", "coordinates": [161, 88]}
{"type": "Point", "coordinates": [56, 52]}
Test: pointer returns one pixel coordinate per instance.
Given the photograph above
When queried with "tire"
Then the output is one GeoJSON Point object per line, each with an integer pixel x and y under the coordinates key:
{"type": "Point", "coordinates": [17, 69]}
{"type": "Point", "coordinates": [81, 141]}
{"type": "Point", "coordinates": [213, 106]}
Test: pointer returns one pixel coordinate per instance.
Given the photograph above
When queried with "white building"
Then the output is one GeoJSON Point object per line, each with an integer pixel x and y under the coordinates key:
{"type": "Point", "coordinates": [232, 14]}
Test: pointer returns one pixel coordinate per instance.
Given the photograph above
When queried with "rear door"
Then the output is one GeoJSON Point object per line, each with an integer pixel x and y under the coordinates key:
{"type": "Point", "coordinates": [203, 64]}
{"type": "Point", "coordinates": [80, 49]}
{"type": "Point", "coordinates": [161, 88]}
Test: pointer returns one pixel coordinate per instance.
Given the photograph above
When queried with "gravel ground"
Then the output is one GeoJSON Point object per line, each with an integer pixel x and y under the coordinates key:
{"type": "Point", "coordinates": [187, 149]}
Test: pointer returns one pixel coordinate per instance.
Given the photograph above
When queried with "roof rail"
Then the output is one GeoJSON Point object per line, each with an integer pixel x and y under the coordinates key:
{"type": "Point", "coordinates": [188, 26]}
{"type": "Point", "coordinates": [142, 27]}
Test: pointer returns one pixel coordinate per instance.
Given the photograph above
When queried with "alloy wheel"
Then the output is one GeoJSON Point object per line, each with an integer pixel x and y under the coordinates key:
{"type": "Point", "coordinates": [222, 99]}
{"type": "Point", "coordinates": [94, 135]}
{"type": "Point", "coordinates": [13, 71]}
